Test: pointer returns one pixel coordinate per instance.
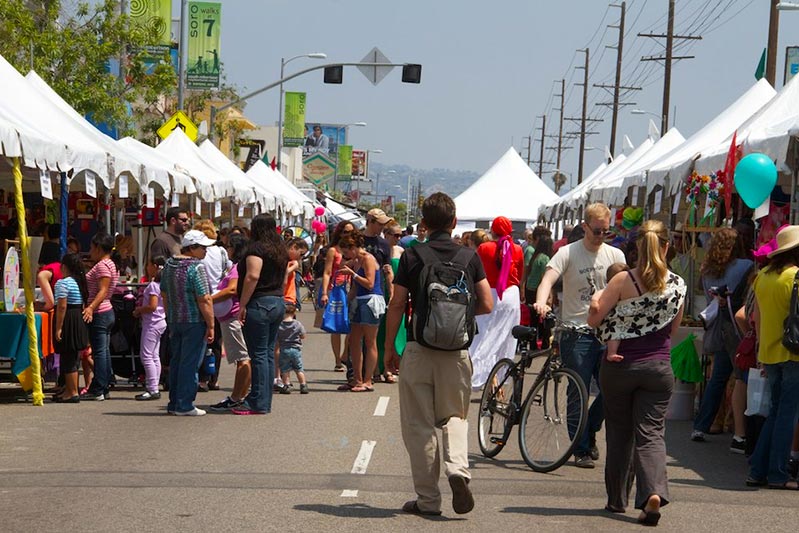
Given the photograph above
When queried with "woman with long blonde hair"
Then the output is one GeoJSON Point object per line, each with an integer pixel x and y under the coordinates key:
{"type": "Point", "coordinates": [646, 305]}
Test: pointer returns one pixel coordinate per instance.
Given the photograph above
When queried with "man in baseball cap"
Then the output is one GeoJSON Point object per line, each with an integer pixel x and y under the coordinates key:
{"type": "Point", "coordinates": [379, 216]}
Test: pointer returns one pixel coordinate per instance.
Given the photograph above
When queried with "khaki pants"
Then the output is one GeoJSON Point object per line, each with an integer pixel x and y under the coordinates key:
{"type": "Point", "coordinates": [434, 393]}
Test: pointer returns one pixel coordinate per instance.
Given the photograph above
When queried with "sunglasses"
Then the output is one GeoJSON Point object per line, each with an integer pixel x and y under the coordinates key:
{"type": "Point", "coordinates": [183, 219]}
{"type": "Point", "coordinates": [397, 235]}
{"type": "Point", "coordinates": [597, 232]}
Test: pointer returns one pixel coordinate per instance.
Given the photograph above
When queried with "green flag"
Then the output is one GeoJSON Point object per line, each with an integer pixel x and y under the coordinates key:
{"type": "Point", "coordinates": [154, 14]}
{"type": "Point", "coordinates": [761, 67]}
{"type": "Point", "coordinates": [294, 123]}
{"type": "Point", "coordinates": [344, 160]}
{"type": "Point", "coordinates": [202, 71]}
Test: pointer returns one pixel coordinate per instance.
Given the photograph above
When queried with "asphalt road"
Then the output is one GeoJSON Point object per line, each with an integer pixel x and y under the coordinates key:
{"type": "Point", "coordinates": [122, 465]}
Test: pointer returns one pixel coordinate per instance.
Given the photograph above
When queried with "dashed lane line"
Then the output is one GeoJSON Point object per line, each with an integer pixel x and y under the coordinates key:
{"type": "Point", "coordinates": [382, 405]}
{"type": "Point", "coordinates": [364, 456]}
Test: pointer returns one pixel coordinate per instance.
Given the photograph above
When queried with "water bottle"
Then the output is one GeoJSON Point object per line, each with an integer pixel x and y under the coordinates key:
{"type": "Point", "coordinates": [210, 362]}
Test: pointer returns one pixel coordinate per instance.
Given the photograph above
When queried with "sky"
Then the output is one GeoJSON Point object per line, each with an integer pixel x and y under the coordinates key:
{"type": "Point", "coordinates": [488, 68]}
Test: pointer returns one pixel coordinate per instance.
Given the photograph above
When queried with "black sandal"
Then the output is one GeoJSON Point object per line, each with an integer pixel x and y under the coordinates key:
{"type": "Point", "coordinates": [412, 507]}
{"type": "Point", "coordinates": [649, 518]}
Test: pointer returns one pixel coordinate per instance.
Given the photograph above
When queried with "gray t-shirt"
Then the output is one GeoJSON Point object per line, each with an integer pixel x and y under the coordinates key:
{"type": "Point", "coordinates": [290, 334]}
{"type": "Point", "coordinates": [583, 274]}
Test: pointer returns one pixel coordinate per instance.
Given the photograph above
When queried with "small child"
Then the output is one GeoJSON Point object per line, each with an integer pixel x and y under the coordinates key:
{"type": "Point", "coordinates": [612, 344]}
{"type": "Point", "coordinates": [153, 325]}
{"type": "Point", "coordinates": [70, 332]}
{"type": "Point", "coordinates": [289, 340]}
{"type": "Point", "coordinates": [296, 248]}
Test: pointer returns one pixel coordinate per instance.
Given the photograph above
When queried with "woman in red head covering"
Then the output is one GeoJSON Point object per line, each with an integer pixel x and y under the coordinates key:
{"type": "Point", "coordinates": [503, 261]}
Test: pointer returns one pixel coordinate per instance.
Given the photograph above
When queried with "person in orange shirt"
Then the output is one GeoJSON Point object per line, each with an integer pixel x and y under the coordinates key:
{"type": "Point", "coordinates": [503, 261]}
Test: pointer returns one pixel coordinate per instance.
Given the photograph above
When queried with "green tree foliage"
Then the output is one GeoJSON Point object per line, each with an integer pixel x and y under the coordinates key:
{"type": "Point", "coordinates": [69, 46]}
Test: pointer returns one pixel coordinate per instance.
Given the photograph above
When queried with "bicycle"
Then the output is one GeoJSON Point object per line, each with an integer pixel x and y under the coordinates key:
{"type": "Point", "coordinates": [552, 416]}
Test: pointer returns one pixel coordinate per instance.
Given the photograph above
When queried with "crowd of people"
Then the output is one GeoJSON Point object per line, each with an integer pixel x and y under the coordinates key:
{"type": "Point", "coordinates": [207, 295]}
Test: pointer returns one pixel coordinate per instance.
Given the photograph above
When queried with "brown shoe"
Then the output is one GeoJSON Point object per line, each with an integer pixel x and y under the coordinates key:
{"type": "Point", "coordinates": [412, 507]}
{"type": "Point", "coordinates": [462, 499]}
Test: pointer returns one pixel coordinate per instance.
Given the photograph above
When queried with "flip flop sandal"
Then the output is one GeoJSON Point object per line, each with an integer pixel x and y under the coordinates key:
{"type": "Point", "coordinates": [788, 485]}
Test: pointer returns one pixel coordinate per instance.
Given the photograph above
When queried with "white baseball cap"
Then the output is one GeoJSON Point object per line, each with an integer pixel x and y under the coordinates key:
{"type": "Point", "coordinates": [196, 237]}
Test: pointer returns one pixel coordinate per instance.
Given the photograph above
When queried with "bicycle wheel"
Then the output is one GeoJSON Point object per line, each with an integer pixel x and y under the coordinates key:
{"type": "Point", "coordinates": [553, 418]}
{"type": "Point", "coordinates": [496, 408]}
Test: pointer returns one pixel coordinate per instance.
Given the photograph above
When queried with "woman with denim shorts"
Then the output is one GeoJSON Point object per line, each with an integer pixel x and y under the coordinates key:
{"type": "Point", "coordinates": [369, 306]}
{"type": "Point", "coordinates": [262, 273]}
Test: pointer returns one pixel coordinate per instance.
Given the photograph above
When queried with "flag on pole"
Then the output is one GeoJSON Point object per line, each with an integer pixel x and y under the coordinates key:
{"type": "Point", "coordinates": [273, 164]}
{"type": "Point", "coordinates": [729, 172]}
{"type": "Point", "coordinates": [761, 66]}
{"type": "Point", "coordinates": [654, 132]}
{"type": "Point", "coordinates": [628, 144]}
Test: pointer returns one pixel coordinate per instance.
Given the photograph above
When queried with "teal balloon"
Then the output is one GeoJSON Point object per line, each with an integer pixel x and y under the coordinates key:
{"type": "Point", "coordinates": [755, 178]}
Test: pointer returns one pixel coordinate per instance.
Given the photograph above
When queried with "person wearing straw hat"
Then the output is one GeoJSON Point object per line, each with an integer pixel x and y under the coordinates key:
{"type": "Point", "coordinates": [773, 288]}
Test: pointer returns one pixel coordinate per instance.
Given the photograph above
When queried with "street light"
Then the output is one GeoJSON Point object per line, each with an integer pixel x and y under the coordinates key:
{"type": "Point", "coordinates": [283, 63]}
{"type": "Point", "coordinates": [788, 6]}
{"type": "Point", "coordinates": [643, 112]}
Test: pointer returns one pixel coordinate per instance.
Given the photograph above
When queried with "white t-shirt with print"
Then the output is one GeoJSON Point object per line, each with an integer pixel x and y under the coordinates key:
{"type": "Point", "coordinates": [583, 274]}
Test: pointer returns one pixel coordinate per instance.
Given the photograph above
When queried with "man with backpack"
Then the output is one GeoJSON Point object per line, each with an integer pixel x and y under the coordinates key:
{"type": "Point", "coordinates": [447, 287]}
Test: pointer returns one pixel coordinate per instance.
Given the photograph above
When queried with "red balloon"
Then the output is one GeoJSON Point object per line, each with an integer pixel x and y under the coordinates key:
{"type": "Point", "coordinates": [319, 211]}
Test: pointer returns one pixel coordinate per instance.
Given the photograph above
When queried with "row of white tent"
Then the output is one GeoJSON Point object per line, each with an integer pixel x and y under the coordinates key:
{"type": "Point", "coordinates": [765, 121]}
{"type": "Point", "coordinates": [46, 133]}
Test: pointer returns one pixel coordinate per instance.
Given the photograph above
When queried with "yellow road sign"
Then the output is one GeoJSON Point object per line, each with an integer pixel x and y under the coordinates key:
{"type": "Point", "coordinates": [178, 121]}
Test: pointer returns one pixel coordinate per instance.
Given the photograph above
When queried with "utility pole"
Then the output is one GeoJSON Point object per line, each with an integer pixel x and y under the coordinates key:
{"type": "Point", "coordinates": [583, 117]}
{"type": "Point", "coordinates": [560, 128]}
{"type": "Point", "coordinates": [669, 58]}
{"type": "Point", "coordinates": [617, 87]}
{"type": "Point", "coordinates": [529, 148]}
{"type": "Point", "coordinates": [771, 53]}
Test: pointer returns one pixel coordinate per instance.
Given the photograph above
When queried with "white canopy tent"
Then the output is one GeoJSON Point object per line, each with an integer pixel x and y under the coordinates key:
{"type": "Point", "coordinates": [676, 165]}
{"type": "Point", "coordinates": [45, 139]}
{"type": "Point", "coordinates": [568, 195]}
{"type": "Point", "coordinates": [150, 172]}
{"type": "Point", "coordinates": [290, 200]}
{"type": "Point", "coordinates": [218, 159]}
{"type": "Point", "coordinates": [181, 182]}
{"type": "Point", "coordinates": [612, 188]}
{"type": "Point", "coordinates": [211, 184]}
{"type": "Point", "coordinates": [768, 131]}
{"type": "Point", "coordinates": [509, 188]}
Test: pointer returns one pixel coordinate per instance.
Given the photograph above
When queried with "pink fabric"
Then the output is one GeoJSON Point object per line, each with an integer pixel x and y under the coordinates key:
{"type": "Point", "coordinates": [505, 255]}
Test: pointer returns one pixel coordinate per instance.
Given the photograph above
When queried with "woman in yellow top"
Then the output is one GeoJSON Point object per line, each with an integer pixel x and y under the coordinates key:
{"type": "Point", "coordinates": [773, 286]}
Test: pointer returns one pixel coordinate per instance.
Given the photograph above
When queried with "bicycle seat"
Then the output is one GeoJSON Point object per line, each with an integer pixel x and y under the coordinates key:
{"type": "Point", "coordinates": [523, 333]}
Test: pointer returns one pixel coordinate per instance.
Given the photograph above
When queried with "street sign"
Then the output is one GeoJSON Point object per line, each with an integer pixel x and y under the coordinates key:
{"type": "Point", "coordinates": [375, 74]}
{"type": "Point", "coordinates": [178, 121]}
{"type": "Point", "coordinates": [318, 169]}
{"type": "Point", "coordinates": [791, 63]}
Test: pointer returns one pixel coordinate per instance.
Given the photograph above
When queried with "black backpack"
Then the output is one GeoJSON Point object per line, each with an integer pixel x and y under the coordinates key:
{"type": "Point", "coordinates": [443, 313]}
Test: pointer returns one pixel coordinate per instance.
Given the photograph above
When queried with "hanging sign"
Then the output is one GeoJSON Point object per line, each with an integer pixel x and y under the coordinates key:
{"type": "Point", "coordinates": [175, 200]}
{"type": "Point", "coordinates": [46, 184]}
{"type": "Point", "coordinates": [198, 206]}
{"type": "Point", "coordinates": [123, 186]}
{"type": "Point", "coordinates": [218, 209]}
{"type": "Point", "coordinates": [91, 184]}
{"type": "Point", "coordinates": [294, 122]}
{"type": "Point", "coordinates": [203, 67]}
{"type": "Point", "coordinates": [241, 210]}
{"type": "Point", "coordinates": [150, 198]}
{"type": "Point", "coordinates": [658, 202]}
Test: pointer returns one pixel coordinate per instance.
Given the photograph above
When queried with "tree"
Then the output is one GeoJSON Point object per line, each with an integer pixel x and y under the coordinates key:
{"type": "Point", "coordinates": [70, 48]}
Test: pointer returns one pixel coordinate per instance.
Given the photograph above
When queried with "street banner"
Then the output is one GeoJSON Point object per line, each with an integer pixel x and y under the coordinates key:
{"type": "Point", "coordinates": [294, 122]}
{"type": "Point", "coordinates": [255, 147]}
{"type": "Point", "coordinates": [345, 160]}
{"type": "Point", "coordinates": [154, 14]}
{"type": "Point", "coordinates": [324, 139]}
{"type": "Point", "coordinates": [359, 163]}
{"type": "Point", "coordinates": [318, 169]}
{"type": "Point", "coordinates": [205, 19]}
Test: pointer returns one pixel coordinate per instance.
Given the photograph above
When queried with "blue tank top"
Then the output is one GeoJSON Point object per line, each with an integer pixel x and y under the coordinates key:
{"type": "Point", "coordinates": [376, 289]}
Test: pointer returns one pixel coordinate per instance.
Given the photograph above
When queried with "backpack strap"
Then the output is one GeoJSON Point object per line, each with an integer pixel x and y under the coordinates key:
{"type": "Point", "coordinates": [463, 257]}
{"type": "Point", "coordinates": [427, 255]}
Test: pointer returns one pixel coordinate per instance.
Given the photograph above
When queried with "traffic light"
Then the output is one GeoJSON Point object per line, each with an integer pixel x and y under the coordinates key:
{"type": "Point", "coordinates": [411, 73]}
{"type": "Point", "coordinates": [334, 74]}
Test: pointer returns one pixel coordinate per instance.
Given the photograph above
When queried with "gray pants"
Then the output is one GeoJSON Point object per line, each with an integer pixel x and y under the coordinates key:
{"type": "Point", "coordinates": [635, 397]}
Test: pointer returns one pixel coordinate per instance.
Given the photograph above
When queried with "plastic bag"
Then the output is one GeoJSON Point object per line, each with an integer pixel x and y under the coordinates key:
{"type": "Point", "coordinates": [685, 361]}
{"type": "Point", "coordinates": [336, 316]}
{"type": "Point", "coordinates": [758, 394]}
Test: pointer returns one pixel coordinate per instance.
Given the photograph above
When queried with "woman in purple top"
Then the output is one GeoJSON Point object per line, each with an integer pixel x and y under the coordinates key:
{"type": "Point", "coordinates": [647, 304]}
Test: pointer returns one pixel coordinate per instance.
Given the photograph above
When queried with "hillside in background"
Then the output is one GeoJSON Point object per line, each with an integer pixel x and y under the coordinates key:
{"type": "Point", "coordinates": [393, 179]}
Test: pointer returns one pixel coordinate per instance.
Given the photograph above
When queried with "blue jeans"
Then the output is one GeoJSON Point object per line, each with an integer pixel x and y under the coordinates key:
{"type": "Point", "coordinates": [722, 369]}
{"type": "Point", "coordinates": [769, 461]}
{"type": "Point", "coordinates": [100, 339]}
{"type": "Point", "coordinates": [264, 314]}
{"type": "Point", "coordinates": [583, 354]}
{"type": "Point", "coordinates": [187, 347]}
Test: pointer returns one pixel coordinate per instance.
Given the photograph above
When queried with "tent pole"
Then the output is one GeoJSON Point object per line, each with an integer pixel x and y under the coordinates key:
{"type": "Point", "coordinates": [140, 235]}
{"type": "Point", "coordinates": [28, 283]}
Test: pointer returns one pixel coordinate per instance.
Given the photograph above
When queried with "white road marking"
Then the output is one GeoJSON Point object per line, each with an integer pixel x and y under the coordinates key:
{"type": "Point", "coordinates": [382, 405]}
{"type": "Point", "coordinates": [364, 456]}
{"type": "Point", "coordinates": [349, 494]}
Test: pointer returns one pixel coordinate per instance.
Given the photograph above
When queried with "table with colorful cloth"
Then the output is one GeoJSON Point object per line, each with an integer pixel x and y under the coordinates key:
{"type": "Point", "coordinates": [14, 344]}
